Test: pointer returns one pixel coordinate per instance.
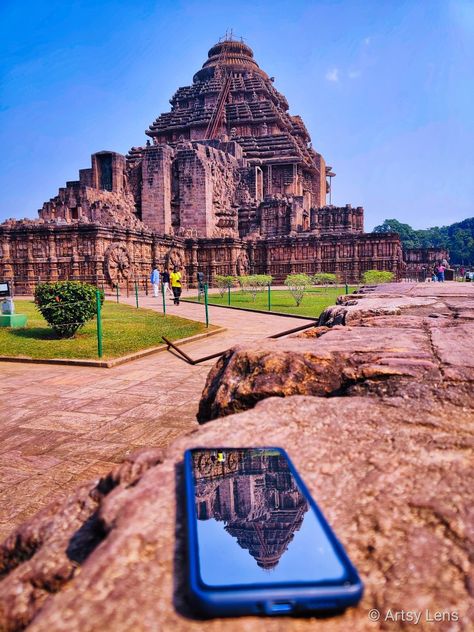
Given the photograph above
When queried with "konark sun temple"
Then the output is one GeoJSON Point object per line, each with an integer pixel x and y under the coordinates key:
{"type": "Point", "coordinates": [228, 183]}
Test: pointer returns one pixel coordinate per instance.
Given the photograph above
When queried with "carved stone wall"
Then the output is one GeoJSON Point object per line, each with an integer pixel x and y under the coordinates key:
{"type": "Point", "coordinates": [33, 252]}
{"type": "Point", "coordinates": [420, 262]}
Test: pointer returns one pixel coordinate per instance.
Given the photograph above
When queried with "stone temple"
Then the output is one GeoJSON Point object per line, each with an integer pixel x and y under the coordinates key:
{"type": "Point", "coordinates": [227, 183]}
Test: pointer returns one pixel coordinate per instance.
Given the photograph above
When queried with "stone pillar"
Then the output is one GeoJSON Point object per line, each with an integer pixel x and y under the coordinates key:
{"type": "Point", "coordinates": [156, 188]}
{"type": "Point", "coordinates": [318, 257]}
{"type": "Point", "coordinates": [5, 260]}
{"type": "Point", "coordinates": [194, 267]}
{"type": "Point", "coordinates": [233, 261]}
{"type": "Point", "coordinates": [30, 271]}
{"type": "Point", "coordinates": [269, 181]}
{"type": "Point", "coordinates": [52, 258]}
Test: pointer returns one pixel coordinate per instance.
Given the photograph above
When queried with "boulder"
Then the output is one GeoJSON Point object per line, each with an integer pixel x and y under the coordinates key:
{"type": "Point", "coordinates": [382, 358]}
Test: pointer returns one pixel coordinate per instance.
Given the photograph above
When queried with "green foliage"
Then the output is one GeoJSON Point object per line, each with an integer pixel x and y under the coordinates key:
{"type": "Point", "coordinates": [324, 278]}
{"type": "Point", "coordinates": [66, 305]}
{"type": "Point", "coordinates": [297, 284]}
{"type": "Point", "coordinates": [223, 283]}
{"type": "Point", "coordinates": [458, 238]}
{"type": "Point", "coordinates": [377, 276]}
{"type": "Point", "coordinates": [254, 283]}
{"type": "Point", "coordinates": [257, 283]}
{"type": "Point", "coordinates": [243, 282]}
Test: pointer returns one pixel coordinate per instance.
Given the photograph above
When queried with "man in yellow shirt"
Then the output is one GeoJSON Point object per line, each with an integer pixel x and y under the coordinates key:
{"type": "Point", "coordinates": [175, 280]}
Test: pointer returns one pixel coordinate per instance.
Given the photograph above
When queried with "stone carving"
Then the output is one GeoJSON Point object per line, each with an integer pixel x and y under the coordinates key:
{"type": "Point", "coordinates": [243, 264]}
{"type": "Point", "coordinates": [174, 258]}
{"type": "Point", "coordinates": [118, 264]}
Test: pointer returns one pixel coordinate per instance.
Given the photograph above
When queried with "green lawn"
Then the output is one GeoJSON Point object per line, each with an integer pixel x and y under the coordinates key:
{"type": "Point", "coordinates": [313, 303]}
{"type": "Point", "coordinates": [125, 330]}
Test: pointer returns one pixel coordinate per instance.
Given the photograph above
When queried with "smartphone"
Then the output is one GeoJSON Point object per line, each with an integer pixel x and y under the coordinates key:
{"type": "Point", "coordinates": [257, 541]}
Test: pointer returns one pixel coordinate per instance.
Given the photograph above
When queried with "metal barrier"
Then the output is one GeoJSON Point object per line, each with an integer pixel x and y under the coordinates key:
{"type": "Point", "coordinates": [190, 360]}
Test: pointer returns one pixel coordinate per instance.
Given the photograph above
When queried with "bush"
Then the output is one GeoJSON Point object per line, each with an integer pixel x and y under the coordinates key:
{"type": "Point", "coordinates": [377, 276]}
{"type": "Point", "coordinates": [324, 278]}
{"type": "Point", "coordinates": [223, 283]}
{"type": "Point", "coordinates": [66, 305]}
{"type": "Point", "coordinates": [243, 282]}
{"type": "Point", "coordinates": [297, 284]}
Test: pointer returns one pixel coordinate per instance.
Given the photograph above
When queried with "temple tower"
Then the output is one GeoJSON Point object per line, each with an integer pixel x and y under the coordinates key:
{"type": "Point", "coordinates": [232, 98]}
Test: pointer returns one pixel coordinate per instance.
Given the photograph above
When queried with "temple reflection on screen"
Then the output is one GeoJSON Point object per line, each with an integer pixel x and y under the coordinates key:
{"type": "Point", "coordinates": [254, 493]}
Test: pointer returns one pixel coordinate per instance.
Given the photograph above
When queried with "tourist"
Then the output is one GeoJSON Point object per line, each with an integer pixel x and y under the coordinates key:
{"type": "Point", "coordinates": [175, 279]}
{"type": "Point", "coordinates": [155, 281]}
{"type": "Point", "coordinates": [440, 272]}
{"type": "Point", "coordinates": [165, 279]}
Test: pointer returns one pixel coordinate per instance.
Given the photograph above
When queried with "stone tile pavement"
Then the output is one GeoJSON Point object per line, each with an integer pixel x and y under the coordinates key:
{"type": "Point", "coordinates": [62, 425]}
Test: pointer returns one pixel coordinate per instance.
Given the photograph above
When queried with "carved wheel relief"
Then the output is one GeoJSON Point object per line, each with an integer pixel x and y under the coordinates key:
{"type": "Point", "coordinates": [117, 263]}
{"type": "Point", "coordinates": [174, 258]}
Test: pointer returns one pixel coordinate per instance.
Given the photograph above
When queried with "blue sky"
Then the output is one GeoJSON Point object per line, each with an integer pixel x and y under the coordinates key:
{"type": "Point", "coordinates": [385, 88]}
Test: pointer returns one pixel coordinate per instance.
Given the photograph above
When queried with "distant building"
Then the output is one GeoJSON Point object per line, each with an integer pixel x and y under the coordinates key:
{"type": "Point", "coordinates": [228, 184]}
{"type": "Point", "coordinates": [420, 262]}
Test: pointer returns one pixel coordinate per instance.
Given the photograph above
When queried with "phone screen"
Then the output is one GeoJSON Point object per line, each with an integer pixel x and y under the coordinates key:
{"type": "Point", "coordinates": [254, 524]}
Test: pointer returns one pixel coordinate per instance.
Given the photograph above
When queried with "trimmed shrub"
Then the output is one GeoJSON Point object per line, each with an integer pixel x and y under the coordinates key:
{"type": "Point", "coordinates": [223, 283]}
{"type": "Point", "coordinates": [297, 285]}
{"type": "Point", "coordinates": [324, 278]}
{"type": "Point", "coordinates": [66, 305]}
{"type": "Point", "coordinates": [377, 276]}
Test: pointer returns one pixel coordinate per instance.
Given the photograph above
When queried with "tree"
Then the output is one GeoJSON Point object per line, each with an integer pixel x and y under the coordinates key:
{"type": "Point", "coordinates": [223, 283]}
{"type": "Point", "coordinates": [297, 285]}
{"type": "Point", "coordinates": [324, 278]}
{"type": "Point", "coordinates": [257, 283]}
{"type": "Point", "coordinates": [458, 238]}
{"type": "Point", "coordinates": [408, 236]}
{"type": "Point", "coordinates": [67, 305]}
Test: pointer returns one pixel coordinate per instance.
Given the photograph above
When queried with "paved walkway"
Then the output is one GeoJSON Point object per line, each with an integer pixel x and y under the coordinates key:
{"type": "Point", "coordinates": [62, 425]}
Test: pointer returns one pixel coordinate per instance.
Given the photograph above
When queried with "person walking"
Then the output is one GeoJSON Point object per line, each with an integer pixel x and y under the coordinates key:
{"type": "Point", "coordinates": [440, 272]}
{"type": "Point", "coordinates": [155, 281]}
{"type": "Point", "coordinates": [175, 279]}
{"type": "Point", "coordinates": [165, 279]}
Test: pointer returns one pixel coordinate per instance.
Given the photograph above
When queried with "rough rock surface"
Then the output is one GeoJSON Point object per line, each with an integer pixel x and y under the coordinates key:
{"type": "Point", "coordinates": [385, 444]}
{"type": "Point", "coordinates": [410, 535]}
{"type": "Point", "coordinates": [411, 354]}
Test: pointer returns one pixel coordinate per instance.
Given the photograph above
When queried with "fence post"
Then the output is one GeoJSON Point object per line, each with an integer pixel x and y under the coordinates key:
{"type": "Point", "coordinates": [269, 297]}
{"type": "Point", "coordinates": [99, 324]}
{"type": "Point", "coordinates": [347, 288]}
{"type": "Point", "coordinates": [228, 295]}
{"type": "Point", "coordinates": [163, 295]}
{"type": "Point", "coordinates": [118, 292]}
{"type": "Point", "coordinates": [205, 305]}
{"type": "Point", "coordinates": [136, 293]}
{"type": "Point", "coordinates": [146, 286]}
{"type": "Point", "coordinates": [128, 291]}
